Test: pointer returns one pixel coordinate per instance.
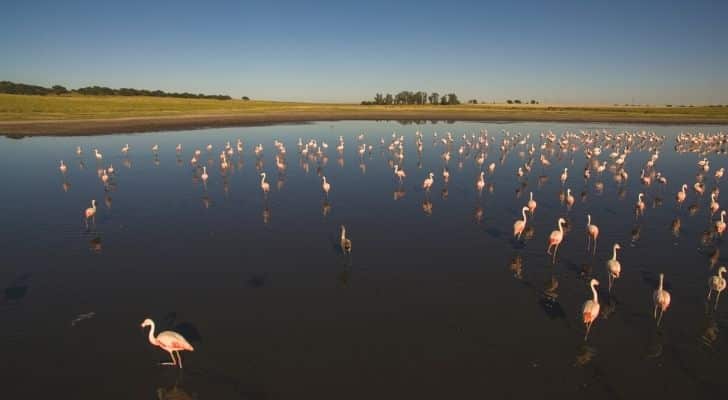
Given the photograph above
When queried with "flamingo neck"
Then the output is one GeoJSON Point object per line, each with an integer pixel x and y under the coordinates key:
{"type": "Point", "coordinates": [152, 339]}
{"type": "Point", "coordinates": [661, 279]}
{"type": "Point", "coordinates": [721, 217]}
{"type": "Point", "coordinates": [588, 219]}
{"type": "Point", "coordinates": [343, 233]}
{"type": "Point", "coordinates": [561, 229]}
{"type": "Point", "coordinates": [531, 196]}
{"type": "Point", "coordinates": [523, 212]}
{"type": "Point", "coordinates": [594, 293]}
{"type": "Point", "coordinates": [262, 179]}
{"type": "Point", "coordinates": [614, 253]}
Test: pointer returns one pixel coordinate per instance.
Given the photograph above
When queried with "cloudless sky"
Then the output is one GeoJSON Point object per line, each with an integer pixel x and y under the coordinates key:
{"type": "Point", "coordinates": [651, 51]}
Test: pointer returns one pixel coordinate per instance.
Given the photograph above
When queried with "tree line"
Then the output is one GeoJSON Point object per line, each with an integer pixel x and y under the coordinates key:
{"type": "Point", "coordinates": [22, 88]}
{"type": "Point", "coordinates": [409, 97]}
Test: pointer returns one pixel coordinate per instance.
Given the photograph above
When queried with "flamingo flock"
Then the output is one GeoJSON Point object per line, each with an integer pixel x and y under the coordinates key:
{"type": "Point", "coordinates": [546, 147]}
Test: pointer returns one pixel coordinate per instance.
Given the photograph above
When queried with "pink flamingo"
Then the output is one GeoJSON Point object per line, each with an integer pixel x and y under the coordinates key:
{"type": "Point", "coordinates": [556, 238]}
{"type": "Point", "coordinates": [590, 310]}
{"type": "Point", "coordinates": [427, 184]}
{"type": "Point", "coordinates": [326, 186]}
{"type": "Point", "coordinates": [520, 224]}
{"type": "Point", "coordinates": [63, 168]}
{"type": "Point", "coordinates": [90, 212]}
{"type": "Point", "coordinates": [720, 225]}
{"type": "Point", "coordinates": [480, 184]}
{"type": "Point", "coordinates": [204, 175]}
{"type": "Point", "coordinates": [169, 341]}
{"type": "Point", "coordinates": [680, 197]}
{"type": "Point", "coordinates": [714, 206]}
{"type": "Point", "coordinates": [717, 284]}
{"type": "Point", "coordinates": [640, 205]}
{"type": "Point", "coordinates": [531, 204]}
{"type": "Point", "coordinates": [614, 268]}
{"type": "Point", "coordinates": [263, 184]}
{"type": "Point", "coordinates": [661, 298]}
{"type": "Point", "coordinates": [569, 199]}
{"type": "Point", "coordinates": [399, 173]}
{"type": "Point", "coordinates": [592, 233]}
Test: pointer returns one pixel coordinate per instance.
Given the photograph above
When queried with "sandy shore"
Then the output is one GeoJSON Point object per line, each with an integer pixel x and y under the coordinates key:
{"type": "Point", "coordinates": [198, 121]}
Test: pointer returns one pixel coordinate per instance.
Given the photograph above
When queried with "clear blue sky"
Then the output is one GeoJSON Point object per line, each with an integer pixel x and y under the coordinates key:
{"type": "Point", "coordinates": [576, 51]}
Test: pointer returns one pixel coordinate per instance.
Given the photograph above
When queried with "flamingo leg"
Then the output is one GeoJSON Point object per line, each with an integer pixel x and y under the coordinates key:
{"type": "Point", "coordinates": [662, 312]}
{"type": "Point", "coordinates": [717, 298]}
{"type": "Point", "coordinates": [179, 357]}
{"type": "Point", "coordinates": [710, 291]}
{"type": "Point", "coordinates": [594, 251]}
{"type": "Point", "coordinates": [610, 281]}
{"type": "Point", "coordinates": [174, 361]}
{"type": "Point", "coordinates": [654, 313]}
{"type": "Point", "coordinates": [588, 328]}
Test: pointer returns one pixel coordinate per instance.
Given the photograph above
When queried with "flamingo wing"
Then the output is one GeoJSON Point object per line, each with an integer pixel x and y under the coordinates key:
{"type": "Point", "coordinates": [169, 340]}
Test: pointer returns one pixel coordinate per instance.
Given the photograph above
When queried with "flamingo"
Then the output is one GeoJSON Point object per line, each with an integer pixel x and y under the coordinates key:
{"type": "Point", "coordinates": [680, 197]}
{"type": "Point", "coordinates": [714, 206]}
{"type": "Point", "coordinates": [640, 206]}
{"type": "Point", "coordinates": [717, 284]}
{"type": "Point", "coordinates": [63, 168]}
{"type": "Point", "coordinates": [345, 243]}
{"type": "Point", "coordinates": [125, 149]}
{"type": "Point", "coordinates": [720, 225]}
{"type": "Point", "coordinates": [564, 175]}
{"type": "Point", "coordinates": [531, 203]}
{"type": "Point", "coordinates": [661, 298]}
{"type": "Point", "coordinates": [326, 186]}
{"type": "Point", "coordinates": [399, 173]}
{"type": "Point", "coordinates": [169, 341]}
{"type": "Point", "coordinates": [427, 184]}
{"type": "Point", "coordinates": [155, 148]}
{"type": "Point", "coordinates": [90, 212]}
{"type": "Point", "coordinates": [204, 175]}
{"type": "Point", "coordinates": [480, 184]}
{"type": "Point", "coordinates": [99, 156]}
{"type": "Point", "coordinates": [178, 149]}
{"type": "Point", "coordinates": [263, 184]}
{"type": "Point", "coordinates": [110, 170]}
{"type": "Point", "coordinates": [520, 224]}
{"type": "Point", "coordinates": [79, 151]}
{"type": "Point", "coordinates": [569, 198]}
{"type": "Point", "coordinates": [590, 310]}
{"type": "Point", "coordinates": [719, 173]}
{"type": "Point", "coordinates": [592, 233]}
{"type": "Point", "coordinates": [614, 268]}
{"type": "Point", "coordinates": [556, 238]}
{"type": "Point", "coordinates": [445, 175]}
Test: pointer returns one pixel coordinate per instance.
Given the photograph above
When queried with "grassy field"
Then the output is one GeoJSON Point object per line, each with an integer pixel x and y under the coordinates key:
{"type": "Point", "coordinates": [103, 114]}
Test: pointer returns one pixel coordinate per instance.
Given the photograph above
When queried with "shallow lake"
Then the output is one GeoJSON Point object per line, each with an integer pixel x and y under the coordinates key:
{"type": "Point", "coordinates": [429, 304]}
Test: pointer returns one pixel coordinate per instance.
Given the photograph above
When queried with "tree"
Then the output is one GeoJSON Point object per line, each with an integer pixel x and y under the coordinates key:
{"type": "Point", "coordinates": [517, 101]}
{"type": "Point", "coordinates": [434, 98]}
{"type": "Point", "coordinates": [509, 101]}
{"type": "Point", "coordinates": [534, 102]}
{"type": "Point", "coordinates": [473, 101]}
{"type": "Point", "coordinates": [379, 99]}
{"type": "Point", "coordinates": [246, 98]}
{"type": "Point", "coordinates": [58, 89]}
{"type": "Point", "coordinates": [452, 99]}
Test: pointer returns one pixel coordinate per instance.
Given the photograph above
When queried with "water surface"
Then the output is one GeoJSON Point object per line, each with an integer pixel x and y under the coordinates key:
{"type": "Point", "coordinates": [427, 305]}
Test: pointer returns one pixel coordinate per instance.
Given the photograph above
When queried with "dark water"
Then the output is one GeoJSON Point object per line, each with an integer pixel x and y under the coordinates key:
{"type": "Point", "coordinates": [426, 306]}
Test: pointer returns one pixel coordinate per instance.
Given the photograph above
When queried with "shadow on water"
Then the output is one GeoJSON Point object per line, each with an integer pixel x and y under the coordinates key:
{"type": "Point", "coordinates": [186, 329]}
{"type": "Point", "coordinates": [18, 289]}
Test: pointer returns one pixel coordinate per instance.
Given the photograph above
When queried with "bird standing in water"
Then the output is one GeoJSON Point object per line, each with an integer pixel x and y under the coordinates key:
{"type": "Point", "coordinates": [345, 243]}
{"type": "Point", "coordinates": [90, 212]}
{"type": "Point", "coordinates": [662, 300]}
{"type": "Point", "coordinates": [717, 284]}
{"type": "Point", "coordinates": [556, 238]}
{"type": "Point", "coordinates": [590, 310]}
{"type": "Point", "coordinates": [614, 268]}
{"type": "Point", "coordinates": [520, 224]}
{"type": "Point", "coordinates": [592, 233]}
{"type": "Point", "coordinates": [169, 341]}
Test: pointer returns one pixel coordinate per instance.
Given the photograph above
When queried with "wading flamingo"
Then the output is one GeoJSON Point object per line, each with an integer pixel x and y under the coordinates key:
{"type": "Point", "coordinates": [169, 341]}
{"type": "Point", "coordinates": [399, 173]}
{"type": "Point", "coordinates": [680, 197]}
{"type": "Point", "coordinates": [427, 184]}
{"type": "Point", "coordinates": [720, 225]}
{"type": "Point", "coordinates": [90, 212]}
{"type": "Point", "coordinates": [714, 206]}
{"type": "Point", "coordinates": [263, 184]}
{"type": "Point", "coordinates": [661, 297]}
{"type": "Point", "coordinates": [63, 168]}
{"type": "Point", "coordinates": [556, 238]}
{"type": "Point", "coordinates": [592, 233]}
{"type": "Point", "coordinates": [480, 184]}
{"type": "Point", "coordinates": [344, 242]}
{"type": "Point", "coordinates": [326, 186]}
{"type": "Point", "coordinates": [520, 224]}
{"type": "Point", "coordinates": [640, 205]}
{"type": "Point", "coordinates": [717, 284]}
{"type": "Point", "coordinates": [590, 310]}
{"type": "Point", "coordinates": [204, 175]}
{"type": "Point", "coordinates": [614, 268]}
{"type": "Point", "coordinates": [531, 204]}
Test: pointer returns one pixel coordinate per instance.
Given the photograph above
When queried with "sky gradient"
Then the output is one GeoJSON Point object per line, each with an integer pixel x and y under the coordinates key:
{"type": "Point", "coordinates": [566, 52]}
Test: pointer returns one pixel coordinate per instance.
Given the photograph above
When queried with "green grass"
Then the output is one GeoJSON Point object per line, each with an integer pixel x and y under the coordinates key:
{"type": "Point", "coordinates": [79, 107]}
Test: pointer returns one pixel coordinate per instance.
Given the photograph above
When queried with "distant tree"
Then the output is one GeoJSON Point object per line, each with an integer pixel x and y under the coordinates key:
{"type": "Point", "coordinates": [473, 101]}
{"type": "Point", "coordinates": [58, 89]}
{"type": "Point", "coordinates": [443, 100]}
{"type": "Point", "coordinates": [452, 99]}
{"type": "Point", "coordinates": [434, 98]}
{"type": "Point", "coordinates": [378, 99]}
{"type": "Point", "coordinates": [509, 101]}
{"type": "Point", "coordinates": [389, 99]}
{"type": "Point", "coordinates": [534, 102]}
{"type": "Point", "coordinates": [517, 101]}
{"type": "Point", "coordinates": [246, 98]}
